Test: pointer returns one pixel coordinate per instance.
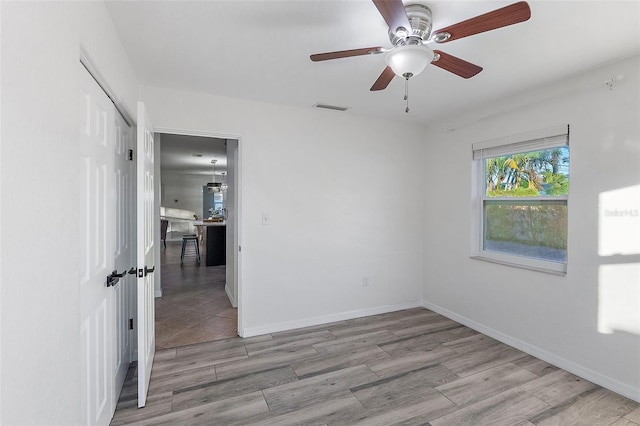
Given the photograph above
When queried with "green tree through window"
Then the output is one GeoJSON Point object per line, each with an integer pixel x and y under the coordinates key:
{"type": "Point", "coordinates": [522, 201]}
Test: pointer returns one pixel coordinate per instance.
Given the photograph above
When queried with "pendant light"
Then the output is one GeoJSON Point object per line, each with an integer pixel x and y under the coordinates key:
{"type": "Point", "coordinates": [214, 186]}
{"type": "Point", "coordinates": [223, 184]}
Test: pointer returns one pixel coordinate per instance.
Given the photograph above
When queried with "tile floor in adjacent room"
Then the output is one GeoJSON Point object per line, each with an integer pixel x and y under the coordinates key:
{"type": "Point", "coordinates": [194, 306]}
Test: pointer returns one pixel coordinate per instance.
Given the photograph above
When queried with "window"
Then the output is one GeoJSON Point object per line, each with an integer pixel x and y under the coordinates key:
{"type": "Point", "coordinates": [520, 202]}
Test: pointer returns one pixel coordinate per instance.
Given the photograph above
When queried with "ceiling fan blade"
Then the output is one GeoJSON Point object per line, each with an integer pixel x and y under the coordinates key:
{"type": "Point", "coordinates": [455, 65]}
{"type": "Point", "coordinates": [383, 81]}
{"type": "Point", "coordinates": [394, 14]}
{"type": "Point", "coordinates": [346, 53]}
{"type": "Point", "coordinates": [508, 15]}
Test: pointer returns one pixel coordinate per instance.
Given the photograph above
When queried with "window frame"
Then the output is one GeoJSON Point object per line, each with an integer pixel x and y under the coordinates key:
{"type": "Point", "coordinates": [554, 137]}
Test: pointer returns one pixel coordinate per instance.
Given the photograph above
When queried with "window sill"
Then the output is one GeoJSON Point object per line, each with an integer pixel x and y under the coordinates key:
{"type": "Point", "coordinates": [555, 269]}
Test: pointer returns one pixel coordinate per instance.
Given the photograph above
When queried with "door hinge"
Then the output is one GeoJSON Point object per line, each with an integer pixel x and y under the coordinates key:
{"type": "Point", "coordinates": [130, 323]}
{"type": "Point", "coordinates": [239, 248]}
{"type": "Point", "coordinates": [130, 155]}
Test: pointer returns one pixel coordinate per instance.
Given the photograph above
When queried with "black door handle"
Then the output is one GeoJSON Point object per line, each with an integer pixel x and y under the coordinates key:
{"type": "Point", "coordinates": [114, 277]}
{"type": "Point", "coordinates": [142, 272]}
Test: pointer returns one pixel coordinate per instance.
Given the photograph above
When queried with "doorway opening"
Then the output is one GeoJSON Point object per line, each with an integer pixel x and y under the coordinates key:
{"type": "Point", "coordinates": [199, 231]}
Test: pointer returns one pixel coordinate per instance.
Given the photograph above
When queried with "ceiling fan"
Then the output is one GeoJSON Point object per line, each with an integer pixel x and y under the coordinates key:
{"type": "Point", "coordinates": [410, 33]}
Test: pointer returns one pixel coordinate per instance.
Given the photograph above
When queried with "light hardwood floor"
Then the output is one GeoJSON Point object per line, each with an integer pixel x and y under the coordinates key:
{"type": "Point", "coordinates": [407, 367]}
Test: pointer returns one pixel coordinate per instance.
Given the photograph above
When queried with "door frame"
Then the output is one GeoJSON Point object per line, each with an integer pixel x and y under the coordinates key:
{"type": "Point", "coordinates": [238, 193]}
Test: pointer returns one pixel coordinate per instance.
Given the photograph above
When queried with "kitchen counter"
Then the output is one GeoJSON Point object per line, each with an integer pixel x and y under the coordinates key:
{"type": "Point", "coordinates": [215, 241]}
{"type": "Point", "coordinates": [202, 223]}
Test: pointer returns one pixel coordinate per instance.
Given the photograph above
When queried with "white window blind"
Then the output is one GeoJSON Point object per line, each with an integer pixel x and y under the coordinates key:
{"type": "Point", "coordinates": [534, 141]}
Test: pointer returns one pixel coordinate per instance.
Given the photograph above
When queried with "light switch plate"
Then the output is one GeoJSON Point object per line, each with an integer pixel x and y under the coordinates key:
{"type": "Point", "coordinates": [266, 219]}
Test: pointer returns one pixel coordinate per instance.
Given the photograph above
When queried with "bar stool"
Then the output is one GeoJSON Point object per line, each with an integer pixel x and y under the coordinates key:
{"type": "Point", "coordinates": [185, 239]}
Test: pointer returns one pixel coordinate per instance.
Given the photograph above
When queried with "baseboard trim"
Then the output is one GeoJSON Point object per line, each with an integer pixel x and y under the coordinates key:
{"type": "Point", "coordinates": [158, 293]}
{"type": "Point", "coordinates": [325, 319]}
{"type": "Point", "coordinates": [230, 296]}
{"type": "Point", "coordinates": [570, 366]}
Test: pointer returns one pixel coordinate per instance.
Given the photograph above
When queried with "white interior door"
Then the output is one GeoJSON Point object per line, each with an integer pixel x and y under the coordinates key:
{"type": "Point", "coordinates": [123, 254]}
{"type": "Point", "coordinates": [96, 263]}
{"type": "Point", "coordinates": [145, 236]}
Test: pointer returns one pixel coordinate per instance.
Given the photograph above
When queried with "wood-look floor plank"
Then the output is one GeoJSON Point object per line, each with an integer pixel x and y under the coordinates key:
{"type": "Point", "coordinates": [405, 389]}
{"type": "Point", "coordinates": [557, 387]}
{"type": "Point", "coordinates": [223, 389]}
{"type": "Point", "coordinates": [289, 343]}
{"type": "Point", "coordinates": [364, 328]}
{"type": "Point", "coordinates": [506, 409]}
{"type": "Point", "coordinates": [218, 345]}
{"type": "Point", "coordinates": [471, 343]}
{"type": "Point", "coordinates": [350, 343]}
{"type": "Point", "coordinates": [535, 365]}
{"type": "Point", "coordinates": [325, 363]}
{"type": "Point", "coordinates": [165, 354]}
{"type": "Point", "coordinates": [471, 362]}
{"type": "Point", "coordinates": [169, 382]}
{"type": "Point", "coordinates": [426, 341]}
{"type": "Point", "coordinates": [188, 360]}
{"type": "Point", "coordinates": [432, 406]}
{"type": "Point", "coordinates": [634, 416]}
{"type": "Point", "coordinates": [303, 393]}
{"type": "Point", "coordinates": [410, 361]}
{"type": "Point", "coordinates": [227, 411]}
{"type": "Point", "coordinates": [261, 362]}
{"type": "Point", "coordinates": [336, 410]}
{"type": "Point", "coordinates": [484, 384]}
{"type": "Point", "coordinates": [127, 411]}
{"type": "Point", "coordinates": [442, 324]}
{"type": "Point", "coordinates": [599, 407]}
{"type": "Point", "coordinates": [306, 330]}
{"type": "Point", "coordinates": [622, 421]}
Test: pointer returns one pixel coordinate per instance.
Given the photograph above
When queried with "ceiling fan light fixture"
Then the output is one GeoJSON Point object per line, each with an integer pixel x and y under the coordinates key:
{"type": "Point", "coordinates": [408, 61]}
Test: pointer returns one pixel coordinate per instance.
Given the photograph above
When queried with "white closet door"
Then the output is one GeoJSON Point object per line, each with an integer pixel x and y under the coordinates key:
{"type": "Point", "coordinates": [123, 254]}
{"type": "Point", "coordinates": [145, 243]}
{"type": "Point", "coordinates": [97, 225]}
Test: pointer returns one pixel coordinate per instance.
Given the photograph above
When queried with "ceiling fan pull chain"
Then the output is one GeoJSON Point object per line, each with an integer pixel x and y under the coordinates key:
{"type": "Point", "coordinates": [406, 93]}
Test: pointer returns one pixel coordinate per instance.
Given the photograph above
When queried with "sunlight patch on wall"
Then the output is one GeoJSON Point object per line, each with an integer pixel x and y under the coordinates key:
{"type": "Point", "coordinates": [619, 298]}
{"type": "Point", "coordinates": [619, 222]}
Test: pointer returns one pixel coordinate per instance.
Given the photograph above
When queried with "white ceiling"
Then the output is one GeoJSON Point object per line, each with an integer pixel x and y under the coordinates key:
{"type": "Point", "coordinates": [192, 154]}
{"type": "Point", "coordinates": [260, 50]}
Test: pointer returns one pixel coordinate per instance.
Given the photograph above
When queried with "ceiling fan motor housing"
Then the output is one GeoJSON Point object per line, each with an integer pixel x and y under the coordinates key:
{"type": "Point", "coordinates": [421, 26]}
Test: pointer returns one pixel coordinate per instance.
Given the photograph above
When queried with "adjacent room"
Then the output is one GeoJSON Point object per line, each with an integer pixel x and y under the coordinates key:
{"type": "Point", "coordinates": [194, 304]}
{"type": "Point", "coordinates": [431, 212]}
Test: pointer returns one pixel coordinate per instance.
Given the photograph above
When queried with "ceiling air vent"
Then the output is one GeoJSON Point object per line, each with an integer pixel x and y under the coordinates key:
{"type": "Point", "coordinates": [333, 107]}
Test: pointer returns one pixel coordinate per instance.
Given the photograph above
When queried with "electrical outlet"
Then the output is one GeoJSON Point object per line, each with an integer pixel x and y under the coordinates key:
{"type": "Point", "coordinates": [266, 219]}
{"type": "Point", "coordinates": [365, 281]}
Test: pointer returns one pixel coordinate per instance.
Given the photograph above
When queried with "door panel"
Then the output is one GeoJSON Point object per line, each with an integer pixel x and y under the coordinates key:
{"type": "Point", "coordinates": [96, 184]}
{"type": "Point", "coordinates": [123, 259]}
{"type": "Point", "coordinates": [145, 244]}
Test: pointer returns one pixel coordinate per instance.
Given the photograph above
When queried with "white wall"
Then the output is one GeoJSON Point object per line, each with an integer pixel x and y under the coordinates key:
{"type": "Point", "coordinates": [555, 317]}
{"type": "Point", "coordinates": [231, 286]}
{"type": "Point", "coordinates": [348, 204]}
{"type": "Point", "coordinates": [186, 188]}
{"type": "Point", "coordinates": [157, 247]}
{"type": "Point", "coordinates": [40, 336]}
